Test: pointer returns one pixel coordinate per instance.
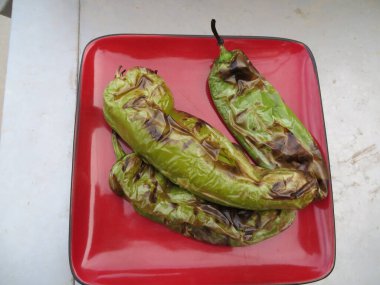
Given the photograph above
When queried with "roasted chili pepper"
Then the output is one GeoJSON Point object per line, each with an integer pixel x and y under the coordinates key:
{"type": "Point", "coordinates": [192, 154]}
{"type": "Point", "coordinates": [259, 119]}
{"type": "Point", "coordinates": [155, 197]}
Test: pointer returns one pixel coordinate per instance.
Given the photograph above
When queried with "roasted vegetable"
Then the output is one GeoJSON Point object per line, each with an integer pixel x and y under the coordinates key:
{"type": "Point", "coordinates": [259, 119]}
{"type": "Point", "coordinates": [192, 154]}
{"type": "Point", "coordinates": [155, 197]}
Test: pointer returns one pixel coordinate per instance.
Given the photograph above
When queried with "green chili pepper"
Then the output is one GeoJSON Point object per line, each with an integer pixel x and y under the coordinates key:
{"type": "Point", "coordinates": [259, 119]}
{"type": "Point", "coordinates": [192, 154]}
{"type": "Point", "coordinates": [155, 197]}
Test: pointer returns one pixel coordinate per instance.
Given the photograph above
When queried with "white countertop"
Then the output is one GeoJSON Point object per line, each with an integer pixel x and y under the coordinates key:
{"type": "Point", "coordinates": [47, 38]}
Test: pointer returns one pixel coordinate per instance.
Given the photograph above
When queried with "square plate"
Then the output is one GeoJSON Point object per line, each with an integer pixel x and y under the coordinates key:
{"type": "Point", "coordinates": [111, 244]}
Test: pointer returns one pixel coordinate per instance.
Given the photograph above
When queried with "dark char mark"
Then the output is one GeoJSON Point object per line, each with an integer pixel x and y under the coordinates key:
{"type": "Point", "coordinates": [125, 164]}
{"type": "Point", "coordinates": [139, 172]}
{"type": "Point", "coordinates": [153, 193]}
{"type": "Point", "coordinates": [237, 218]}
{"type": "Point", "coordinates": [116, 186]}
{"type": "Point", "coordinates": [241, 72]}
{"type": "Point", "coordinates": [288, 151]}
{"type": "Point", "coordinates": [279, 190]}
{"type": "Point", "coordinates": [142, 83]}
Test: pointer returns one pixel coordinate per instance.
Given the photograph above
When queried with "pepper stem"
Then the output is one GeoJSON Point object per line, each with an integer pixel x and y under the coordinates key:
{"type": "Point", "coordinates": [120, 73]}
{"type": "Point", "coordinates": [215, 32]}
{"type": "Point", "coordinates": [119, 152]}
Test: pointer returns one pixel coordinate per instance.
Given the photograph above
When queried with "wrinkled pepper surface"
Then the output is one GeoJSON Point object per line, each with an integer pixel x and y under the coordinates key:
{"type": "Point", "coordinates": [259, 119]}
{"type": "Point", "coordinates": [155, 197]}
{"type": "Point", "coordinates": [191, 153]}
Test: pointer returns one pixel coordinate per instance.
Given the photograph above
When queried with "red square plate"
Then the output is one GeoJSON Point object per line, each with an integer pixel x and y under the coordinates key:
{"type": "Point", "coordinates": [111, 244]}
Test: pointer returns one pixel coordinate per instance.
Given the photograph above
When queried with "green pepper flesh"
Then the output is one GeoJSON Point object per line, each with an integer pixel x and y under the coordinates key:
{"type": "Point", "coordinates": [261, 122]}
{"type": "Point", "coordinates": [192, 154]}
{"type": "Point", "coordinates": [153, 196]}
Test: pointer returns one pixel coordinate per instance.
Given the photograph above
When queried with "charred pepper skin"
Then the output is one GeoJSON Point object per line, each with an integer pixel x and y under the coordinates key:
{"type": "Point", "coordinates": [192, 154]}
{"type": "Point", "coordinates": [258, 118]}
{"type": "Point", "coordinates": [155, 197]}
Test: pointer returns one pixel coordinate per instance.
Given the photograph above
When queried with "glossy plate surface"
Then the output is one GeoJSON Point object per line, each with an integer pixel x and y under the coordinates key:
{"type": "Point", "coordinates": [111, 244]}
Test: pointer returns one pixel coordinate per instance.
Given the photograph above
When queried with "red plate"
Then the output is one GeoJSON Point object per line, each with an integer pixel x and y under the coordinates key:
{"type": "Point", "coordinates": [111, 244]}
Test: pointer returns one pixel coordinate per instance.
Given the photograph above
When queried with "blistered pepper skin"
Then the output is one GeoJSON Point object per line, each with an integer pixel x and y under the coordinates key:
{"type": "Point", "coordinates": [258, 118]}
{"type": "Point", "coordinates": [192, 154]}
{"type": "Point", "coordinates": [155, 197]}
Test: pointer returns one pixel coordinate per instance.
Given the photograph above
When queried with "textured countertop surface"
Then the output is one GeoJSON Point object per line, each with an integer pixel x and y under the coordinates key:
{"type": "Point", "coordinates": [47, 39]}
